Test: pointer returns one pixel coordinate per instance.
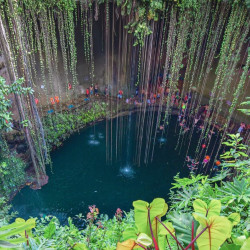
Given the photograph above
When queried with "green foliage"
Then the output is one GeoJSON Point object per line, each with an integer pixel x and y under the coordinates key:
{"type": "Point", "coordinates": [140, 31]}
{"type": "Point", "coordinates": [50, 229]}
{"type": "Point", "coordinates": [246, 111]}
{"type": "Point", "coordinates": [236, 156]}
{"type": "Point", "coordinates": [183, 182]}
{"type": "Point", "coordinates": [211, 233]}
{"type": "Point", "coordinates": [143, 11]}
{"type": "Point", "coordinates": [201, 207]}
{"type": "Point", "coordinates": [100, 233]}
{"type": "Point", "coordinates": [65, 124]}
{"type": "Point", "coordinates": [21, 229]}
{"type": "Point", "coordinates": [219, 230]}
{"type": "Point", "coordinates": [12, 173]}
{"type": "Point", "coordinates": [5, 103]}
{"type": "Point", "coordinates": [5, 214]}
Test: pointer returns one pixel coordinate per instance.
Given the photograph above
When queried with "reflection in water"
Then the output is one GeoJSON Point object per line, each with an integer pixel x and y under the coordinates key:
{"type": "Point", "coordinates": [100, 136]}
{"type": "Point", "coordinates": [162, 140]}
{"type": "Point", "coordinates": [127, 172]}
{"type": "Point", "coordinates": [93, 142]}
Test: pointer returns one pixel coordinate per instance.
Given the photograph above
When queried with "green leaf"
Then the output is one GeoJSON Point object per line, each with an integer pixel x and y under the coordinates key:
{"type": "Point", "coordinates": [246, 244]}
{"type": "Point", "coordinates": [227, 246]}
{"type": "Point", "coordinates": [50, 230]}
{"type": "Point", "coordinates": [162, 242]}
{"type": "Point", "coordinates": [219, 229]}
{"type": "Point", "coordinates": [243, 154]}
{"type": "Point", "coordinates": [17, 229]}
{"type": "Point", "coordinates": [234, 218]}
{"type": "Point", "coordinates": [182, 224]}
{"type": "Point", "coordinates": [157, 207]}
{"type": "Point", "coordinates": [141, 215]}
{"type": "Point", "coordinates": [130, 233]}
{"type": "Point", "coordinates": [213, 208]}
{"type": "Point", "coordinates": [80, 246]}
{"type": "Point", "coordinates": [202, 219]}
{"type": "Point", "coordinates": [6, 245]}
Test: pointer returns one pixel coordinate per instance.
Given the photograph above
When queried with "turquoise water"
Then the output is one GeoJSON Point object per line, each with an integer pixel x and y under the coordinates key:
{"type": "Point", "coordinates": [81, 177]}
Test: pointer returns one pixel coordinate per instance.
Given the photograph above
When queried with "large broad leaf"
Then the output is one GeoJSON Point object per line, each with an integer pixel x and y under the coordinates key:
{"type": "Point", "coordinates": [202, 219]}
{"type": "Point", "coordinates": [130, 233]}
{"type": "Point", "coordinates": [17, 229]}
{"type": "Point", "coordinates": [227, 246]}
{"type": "Point", "coordinates": [234, 218]}
{"type": "Point", "coordinates": [163, 233]}
{"type": "Point", "coordinates": [141, 215]}
{"type": "Point", "coordinates": [7, 245]}
{"type": "Point", "coordinates": [155, 224]}
{"type": "Point", "coordinates": [131, 244]}
{"type": "Point", "coordinates": [219, 228]}
{"type": "Point", "coordinates": [126, 245]}
{"type": "Point", "coordinates": [157, 208]}
{"type": "Point", "coordinates": [213, 208]}
{"type": "Point", "coordinates": [246, 244]}
{"type": "Point", "coordinates": [239, 240]}
{"type": "Point", "coordinates": [182, 224]}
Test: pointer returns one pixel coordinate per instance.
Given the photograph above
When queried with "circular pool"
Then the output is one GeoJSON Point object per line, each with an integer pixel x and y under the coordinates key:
{"type": "Point", "coordinates": [81, 176]}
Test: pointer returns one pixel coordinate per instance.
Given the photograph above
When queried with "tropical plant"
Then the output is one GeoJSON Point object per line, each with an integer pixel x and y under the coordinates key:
{"type": "Point", "coordinates": [5, 214]}
{"type": "Point", "coordinates": [12, 235]}
{"type": "Point", "coordinates": [212, 232]}
{"type": "Point", "coordinates": [12, 173]}
{"type": "Point", "coordinates": [65, 124]}
{"type": "Point", "coordinates": [246, 111]}
{"type": "Point", "coordinates": [5, 103]}
{"type": "Point", "coordinates": [235, 157]}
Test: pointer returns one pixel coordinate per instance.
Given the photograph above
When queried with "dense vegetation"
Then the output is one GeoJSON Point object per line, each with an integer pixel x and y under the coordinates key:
{"type": "Point", "coordinates": [12, 173]}
{"type": "Point", "coordinates": [163, 38]}
{"type": "Point", "coordinates": [60, 128]}
{"type": "Point", "coordinates": [205, 212]}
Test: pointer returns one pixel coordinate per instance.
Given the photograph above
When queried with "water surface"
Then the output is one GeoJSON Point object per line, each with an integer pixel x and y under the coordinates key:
{"type": "Point", "coordinates": [81, 176]}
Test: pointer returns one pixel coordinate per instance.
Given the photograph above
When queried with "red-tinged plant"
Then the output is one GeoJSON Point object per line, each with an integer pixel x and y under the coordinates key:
{"type": "Point", "coordinates": [211, 234]}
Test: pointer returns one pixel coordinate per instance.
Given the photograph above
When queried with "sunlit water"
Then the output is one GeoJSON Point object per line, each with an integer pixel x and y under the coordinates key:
{"type": "Point", "coordinates": [80, 175]}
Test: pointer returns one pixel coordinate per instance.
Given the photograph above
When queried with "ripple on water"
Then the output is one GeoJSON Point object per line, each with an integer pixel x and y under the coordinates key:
{"type": "Point", "coordinates": [92, 136]}
{"type": "Point", "coordinates": [100, 136]}
{"type": "Point", "coordinates": [93, 142]}
{"type": "Point", "coordinates": [162, 140]}
{"type": "Point", "coordinates": [127, 172]}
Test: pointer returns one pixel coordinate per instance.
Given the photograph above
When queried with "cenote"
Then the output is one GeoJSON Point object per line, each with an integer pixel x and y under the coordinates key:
{"type": "Point", "coordinates": [80, 175]}
{"type": "Point", "coordinates": [124, 124]}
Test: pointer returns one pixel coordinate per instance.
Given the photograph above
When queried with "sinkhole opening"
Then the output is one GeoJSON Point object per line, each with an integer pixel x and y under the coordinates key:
{"type": "Point", "coordinates": [81, 175]}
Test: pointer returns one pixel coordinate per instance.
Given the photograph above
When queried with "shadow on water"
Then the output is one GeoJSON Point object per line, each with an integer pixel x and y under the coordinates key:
{"type": "Point", "coordinates": [81, 177]}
